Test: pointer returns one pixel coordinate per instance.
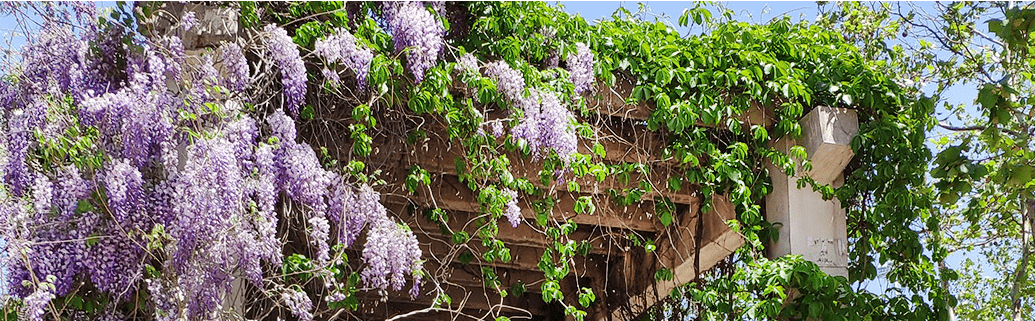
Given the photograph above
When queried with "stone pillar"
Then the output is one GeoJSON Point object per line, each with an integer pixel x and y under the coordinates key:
{"type": "Point", "coordinates": [812, 227]}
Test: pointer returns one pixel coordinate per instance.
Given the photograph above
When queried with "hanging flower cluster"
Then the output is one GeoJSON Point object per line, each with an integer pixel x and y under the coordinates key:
{"type": "Point", "coordinates": [416, 31]}
{"type": "Point", "coordinates": [109, 174]}
{"type": "Point", "coordinates": [292, 68]}
{"type": "Point", "coordinates": [547, 123]}
{"type": "Point", "coordinates": [580, 65]}
{"type": "Point", "coordinates": [341, 47]}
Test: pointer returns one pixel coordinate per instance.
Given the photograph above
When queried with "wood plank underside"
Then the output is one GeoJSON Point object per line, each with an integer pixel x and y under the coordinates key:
{"type": "Point", "coordinates": [615, 271]}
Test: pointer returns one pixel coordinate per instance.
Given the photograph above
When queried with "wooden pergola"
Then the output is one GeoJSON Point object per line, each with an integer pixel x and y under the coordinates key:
{"type": "Point", "coordinates": [620, 274]}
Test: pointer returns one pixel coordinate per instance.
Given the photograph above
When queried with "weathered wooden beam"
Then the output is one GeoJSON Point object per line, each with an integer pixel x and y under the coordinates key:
{"type": "Point", "coordinates": [446, 192]}
{"type": "Point", "coordinates": [522, 235]}
{"type": "Point", "coordinates": [438, 156]}
{"type": "Point", "coordinates": [679, 252]}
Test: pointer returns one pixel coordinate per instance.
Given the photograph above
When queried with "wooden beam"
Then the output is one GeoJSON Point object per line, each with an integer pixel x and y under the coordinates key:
{"type": "Point", "coordinates": [438, 156]}
{"type": "Point", "coordinates": [522, 235]}
{"type": "Point", "coordinates": [446, 192]}
{"type": "Point", "coordinates": [718, 242]}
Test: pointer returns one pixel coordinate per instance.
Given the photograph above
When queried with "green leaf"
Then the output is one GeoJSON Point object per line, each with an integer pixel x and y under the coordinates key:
{"type": "Point", "coordinates": [599, 150]}
{"type": "Point", "coordinates": [586, 297]}
{"type": "Point", "coordinates": [666, 219]}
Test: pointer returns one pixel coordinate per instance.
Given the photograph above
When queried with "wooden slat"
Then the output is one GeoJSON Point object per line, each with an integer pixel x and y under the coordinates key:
{"type": "Point", "coordinates": [437, 156]}
{"type": "Point", "coordinates": [451, 195]}
{"type": "Point", "coordinates": [522, 235]}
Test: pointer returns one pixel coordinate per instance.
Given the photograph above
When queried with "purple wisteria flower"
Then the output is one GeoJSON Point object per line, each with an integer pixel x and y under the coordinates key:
{"type": "Point", "coordinates": [512, 212]}
{"type": "Point", "coordinates": [341, 47]}
{"type": "Point", "coordinates": [238, 75]}
{"type": "Point", "coordinates": [418, 32]}
{"type": "Point", "coordinates": [299, 304]}
{"type": "Point", "coordinates": [580, 64]}
{"type": "Point", "coordinates": [510, 82]}
{"type": "Point", "coordinates": [292, 68]}
{"type": "Point", "coordinates": [390, 254]}
{"type": "Point", "coordinates": [469, 62]}
{"type": "Point", "coordinates": [547, 124]}
{"type": "Point", "coordinates": [189, 20]}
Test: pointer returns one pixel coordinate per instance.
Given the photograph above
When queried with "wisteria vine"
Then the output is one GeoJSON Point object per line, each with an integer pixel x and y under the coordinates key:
{"type": "Point", "coordinates": [163, 177]}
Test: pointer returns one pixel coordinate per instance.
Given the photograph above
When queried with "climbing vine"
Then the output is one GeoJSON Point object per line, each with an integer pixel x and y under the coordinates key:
{"type": "Point", "coordinates": [320, 131]}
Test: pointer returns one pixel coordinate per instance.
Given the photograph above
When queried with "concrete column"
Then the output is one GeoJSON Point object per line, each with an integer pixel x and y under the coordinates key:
{"type": "Point", "coordinates": [812, 227]}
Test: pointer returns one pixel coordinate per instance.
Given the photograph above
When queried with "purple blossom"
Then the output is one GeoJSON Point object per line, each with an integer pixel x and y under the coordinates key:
{"type": "Point", "coordinates": [367, 209]}
{"type": "Point", "coordinates": [43, 195]}
{"type": "Point", "coordinates": [331, 76]}
{"type": "Point", "coordinates": [55, 61]}
{"type": "Point", "coordinates": [418, 32]}
{"type": "Point", "coordinates": [497, 128]}
{"type": "Point", "coordinates": [114, 261]}
{"type": "Point", "coordinates": [238, 76]}
{"type": "Point", "coordinates": [292, 68]}
{"type": "Point", "coordinates": [282, 126]}
{"type": "Point", "coordinates": [242, 134]}
{"type": "Point", "coordinates": [173, 58]}
{"type": "Point", "coordinates": [580, 64]}
{"type": "Point", "coordinates": [36, 303]}
{"type": "Point", "coordinates": [17, 175]}
{"type": "Point", "coordinates": [341, 47]}
{"type": "Point", "coordinates": [469, 62]}
{"type": "Point", "coordinates": [263, 190]}
{"type": "Point", "coordinates": [124, 185]}
{"type": "Point", "coordinates": [189, 20]}
{"type": "Point", "coordinates": [512, 212]}
{"type": "Point", "coordinates": [510, 82]}
{"type": "Point", "coordinates": [319, 235]}
{"type": "Point", "coordinates": [298, 303]}
{"type": "Point", "coordinates": [71, 188]}
{"type": "Point", "coordinates": [206, 77]}
{"type": "Point", "coordinates": [303, 177]}
{"type": "Point", "coordinates": [390, 254]}
{"type": "Point", "coordinates": [547, 124]}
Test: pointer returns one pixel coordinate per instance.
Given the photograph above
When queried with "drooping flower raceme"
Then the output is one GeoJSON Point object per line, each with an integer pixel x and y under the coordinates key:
{"type": "Point", "coordinates": [512, 212]}
{"type": "Point", "coordinates": [391, 254]}
{"type": "Point", "coordinates": [341, 47]}
{"type": "Point", "coordinates": [469, 62]}
{"type": "Point", "coordinates": [124, 185]}
{"type": "Point", "coordinates": [36, 303]}
{"type": "Point", "coordinates": [547, 124]}
{"type": "Point", "coordinates": [292, 68]}
{"type": "Point", "coordinates": [580, 65]}
{"type": "Point", "coordinates": [319, 236]}
{"type": "Point", "coordinates": [189, 20]}
{"type": "Point", "coordinates": [238, 76]}
{"type": "Point", "coordinates": [17, 175]}
{"type": "Point", "coordinates": [510, 82]}
{"type": "Point", "coordinates": [417, 31]}
{"type": "Point", "coordinates": [299, 304]}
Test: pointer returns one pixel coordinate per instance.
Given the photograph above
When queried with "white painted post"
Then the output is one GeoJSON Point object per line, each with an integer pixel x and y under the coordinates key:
{"type": "Point", "coordinates": [812, 227]}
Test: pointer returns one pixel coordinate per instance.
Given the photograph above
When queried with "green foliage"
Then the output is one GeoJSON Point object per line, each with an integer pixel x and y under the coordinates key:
{"type": "Point", "coordinates": [698, 90]}
{"type": "Point", "coordinates": [982, 172]}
